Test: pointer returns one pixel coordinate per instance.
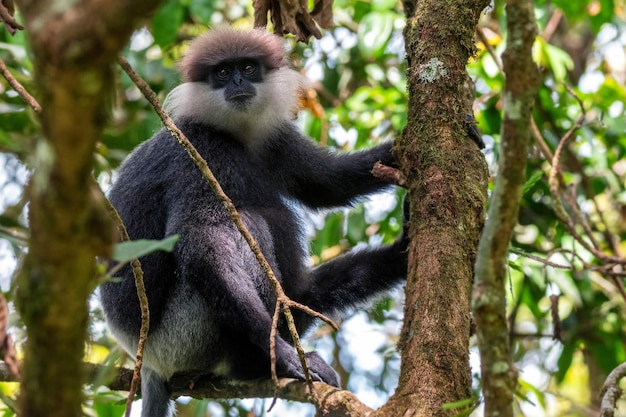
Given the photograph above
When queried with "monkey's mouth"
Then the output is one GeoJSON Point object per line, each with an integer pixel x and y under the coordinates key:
{"type": "Point", "coordinates": [240, 99]}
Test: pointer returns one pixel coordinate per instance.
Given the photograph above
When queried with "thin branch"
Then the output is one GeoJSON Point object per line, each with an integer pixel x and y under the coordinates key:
{"type": "Point", "coordinates": [539, 259]}
{"type": "Point", "coordinates": [143, 305]}
{"type": "Point", "coordinates": [7, 348]}
{"type": "Point", "coordinates": [556, 174]}
{"type": "Point", "coordinates": [555, 180]}
{"type": "Point", "coordinates": [291, 325]}
{"type": "Point", "coordinates": [611, 392]}
{"type": "Point", "coordinates": [389, 174]}
{"type": "Point", "coordinates": [332, 399]}
{"type": "Point", "coordinates": [492, 52]}
{"type": "Point", "coordinates": [556, 321]}
{"type": "Point", "coordinates": [19, 89]}
{"type": "Point", "coordinates": [552, 25]}
{"type": "Point", "coordinates": [531, 335]}
{"type": "Point", "coordinates": [282, 298]}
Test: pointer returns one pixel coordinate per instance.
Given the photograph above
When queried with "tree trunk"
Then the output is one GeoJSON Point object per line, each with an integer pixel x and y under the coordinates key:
{"type": "Point", "coordinates": [447, 180]}
{"type": "Point", "coordinates": [499, 375]}
{"type": "Point", "coordinates": [74, 45]}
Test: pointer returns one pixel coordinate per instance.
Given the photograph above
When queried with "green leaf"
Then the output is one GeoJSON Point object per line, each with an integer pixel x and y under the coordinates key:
{"type": "Point", "coordinates": [127, 251]}
{"type": "Point", "coordinates": [166, 22]}
{"type": "Point", "coordinates": [552, 57]}
{"type": "Point", "coordinates": [374, 33]}
{"type": "Point", "coordinates": [383, 5]}
{"type": "Point", "coordinates": [108, 404]}
{"type": "Point", "coordinates": [607, 351]}
{"type": "Point", "coordinates": [7, 221]}
{"type": "Point", "coordinates": [459, 404]}
{"type": "Point", "coordinates": [565, 282]}
{"type": "Point", "coordinates": [576, 10]}
{"type": "Point", "coordinates": [202, 9]}
{"type": "Point", "coordinates": [604, 14]}
{"type": "Point", "coordinates": [565, 360]}
{"type": "Point", "coordinates": [10, 402]}
{"type": "Point", "coordinates": [356, 226]}
{"type": "Point", "coordinates": [330, 234]}
{"type": "Point", "coordinates": [530, 183]}
{"type": "Point", "coordinates": [525, 387]}
{"type": "Point", "coordinates": [515, 266]}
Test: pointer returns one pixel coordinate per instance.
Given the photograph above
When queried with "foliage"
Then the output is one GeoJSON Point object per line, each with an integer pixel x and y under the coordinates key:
{"type": "Point", "coordinates": [564, 348]}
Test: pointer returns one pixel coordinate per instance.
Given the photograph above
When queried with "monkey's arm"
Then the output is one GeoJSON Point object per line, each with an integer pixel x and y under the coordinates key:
{"type": "Point", "coordinates": [321, 178]}
{"type": "Point", "coordinates": [359, 275]}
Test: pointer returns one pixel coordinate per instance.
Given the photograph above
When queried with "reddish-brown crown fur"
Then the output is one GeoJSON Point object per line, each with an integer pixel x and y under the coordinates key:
{"type": "Point", "coordinates": [226, 43]}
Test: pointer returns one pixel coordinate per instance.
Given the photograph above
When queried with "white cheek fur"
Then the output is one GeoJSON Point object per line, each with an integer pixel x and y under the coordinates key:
{"type": "Point", "coordinates": [276, 102]}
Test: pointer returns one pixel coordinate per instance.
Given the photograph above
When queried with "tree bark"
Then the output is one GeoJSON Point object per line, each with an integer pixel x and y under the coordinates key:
{"type": "Point", "coordinates": [499, 375]}
{"type": "Point", "coordinates": [447, 180]}
{"type": "Point", "coordinates": [74, 45]}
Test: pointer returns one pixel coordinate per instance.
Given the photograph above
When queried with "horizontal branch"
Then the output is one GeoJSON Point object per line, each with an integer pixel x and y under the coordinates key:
{"type": "Point", "coordinates": [332, 401]}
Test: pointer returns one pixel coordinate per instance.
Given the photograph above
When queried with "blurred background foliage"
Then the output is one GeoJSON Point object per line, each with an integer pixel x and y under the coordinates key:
{"type": "Point", "coordinates": [566, 305]}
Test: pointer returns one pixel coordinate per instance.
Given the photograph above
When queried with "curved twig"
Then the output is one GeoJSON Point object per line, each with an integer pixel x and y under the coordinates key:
{"type": "Point", "coordinates": [611, 392]}
{"type": "Point", "coordinates": [143, 304]}
{"type": "Point", "coordinates": [19, 88]}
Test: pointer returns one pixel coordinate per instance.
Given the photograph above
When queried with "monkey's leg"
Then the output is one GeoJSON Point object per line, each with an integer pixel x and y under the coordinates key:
{"type": "Point", "coordinates": [218, 264]}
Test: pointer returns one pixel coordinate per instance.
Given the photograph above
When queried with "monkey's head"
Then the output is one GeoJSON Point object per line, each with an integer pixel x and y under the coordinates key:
{"type": "Point", "coordinates": [237, 81]}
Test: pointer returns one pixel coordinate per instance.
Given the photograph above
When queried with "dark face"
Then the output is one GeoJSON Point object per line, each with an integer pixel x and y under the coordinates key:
{"type": "Point", "coordinates": [237, 79]}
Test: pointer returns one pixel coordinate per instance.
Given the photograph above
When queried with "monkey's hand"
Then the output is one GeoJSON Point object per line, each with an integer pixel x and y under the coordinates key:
{"type": "Point", "coordinates": [318, 369]}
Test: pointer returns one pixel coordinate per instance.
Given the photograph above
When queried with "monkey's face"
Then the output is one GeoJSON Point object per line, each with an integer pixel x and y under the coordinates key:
{"type": "Point", "coordinates": [240, 96]}
{"type": "Point", "coordinates": [237, 79]}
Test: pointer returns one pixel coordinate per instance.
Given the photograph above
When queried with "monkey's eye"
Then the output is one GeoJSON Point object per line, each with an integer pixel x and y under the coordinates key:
{"type": "Point", "coordinates": [249, 69]}
{"type": "Point", "coordinates": [222, 72]}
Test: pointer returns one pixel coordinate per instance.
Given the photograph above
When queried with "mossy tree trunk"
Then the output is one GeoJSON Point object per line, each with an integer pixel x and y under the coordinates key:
{"type": "Point", "coordinates": [498, 372]}
{"type": "Point", "coordinates": [74, 45]}
{"type": "Point", "coordinates": [447, 179]}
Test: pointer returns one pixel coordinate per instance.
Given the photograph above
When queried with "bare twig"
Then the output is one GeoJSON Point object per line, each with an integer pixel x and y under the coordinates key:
{"type": "Point", "coordinates": [556, 321]}
{"type": "Point", "coordinates": [539, 259]}
{"type": "Point", "coordinates": [492, 52]}
{"type": "Point", "coordinates": [19, 89]}
{"type": "Point", "coordinates": [7, 349]}
{"type": "Point", "coordinates": [611, 391]}
{"type": "Point", "coordinates": [556, 158]}
{"type": "Point", "coordinates": [389, 174]}
{"type": "Point", "coordinates": [552, 25]}
{"type": "Point", "coordinates": [143, 305]}
{"type": "Point", "coordinates": [557, 181]}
